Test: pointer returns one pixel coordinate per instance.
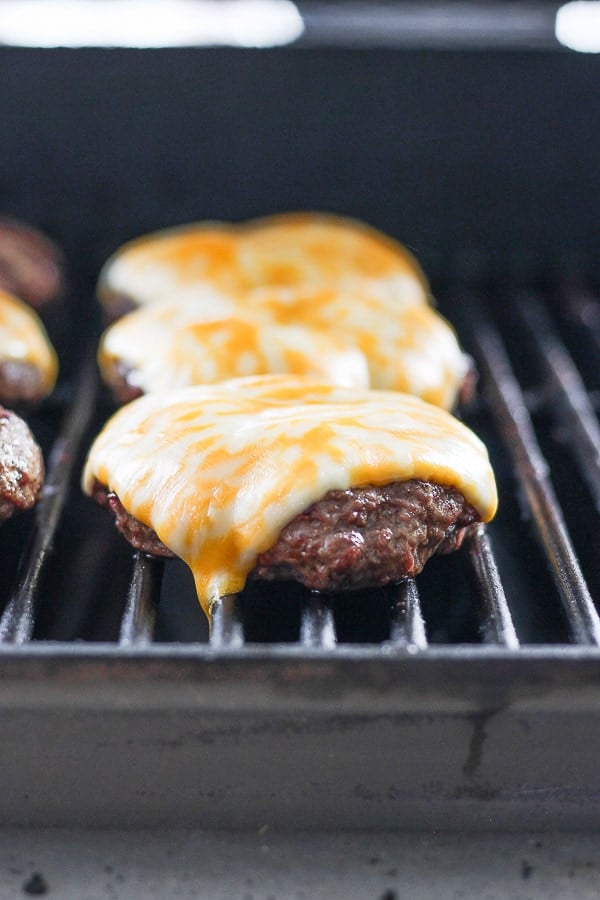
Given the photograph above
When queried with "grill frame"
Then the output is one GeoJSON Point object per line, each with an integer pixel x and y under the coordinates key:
{"type": "Point", "coordinates": [448, 739]}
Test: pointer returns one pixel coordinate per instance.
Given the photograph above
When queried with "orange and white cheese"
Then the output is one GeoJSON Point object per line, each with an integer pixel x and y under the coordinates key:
{"type": "Point", "coordinates": [23, 340]}
{"type": "Point", "coordinates": [219, 470]}
{"type": "Point", "coordinates": [348, 339]}
{"type": "Point", "coordinates": [281, 252]}
{"type": "Point", "coordinates": [343, 288]}
{"type": "Point", "coordinates": [169, 344]}
{"type": "Point", "coordinates": [407, 347]}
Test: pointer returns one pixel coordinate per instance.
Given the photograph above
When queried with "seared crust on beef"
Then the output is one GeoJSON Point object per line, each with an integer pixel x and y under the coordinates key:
{"type": "Point", "coordinates": [31, 265]}
{"type": "Point", "coordinates": [361, 537]}
{"type": "Point", "coordinates": [117, 376]}
{"type": "Point", "coordinates": [21, 465]}
{"type": "Point", "coordinates": [368, 537]}
{"type": "Point", "coordinates": [139, 535]}
{"type": "Point", "coordinates": [117, 305]}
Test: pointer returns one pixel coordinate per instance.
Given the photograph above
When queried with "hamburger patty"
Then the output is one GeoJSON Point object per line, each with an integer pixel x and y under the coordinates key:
{"type": "Point", "coordinates": [356, 538]}
{"type": "Point", "coordinates": [118, 377]}
{"type": "Point", "coordinates": [20, 382]}
{"type": "Point", "coordinates": [31, 265]}
{"type": "Point", "coordinates": [21, 465]}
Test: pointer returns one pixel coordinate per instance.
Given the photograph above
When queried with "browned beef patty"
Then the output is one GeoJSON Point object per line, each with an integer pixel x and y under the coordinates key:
{"type": "Point", "coordinates": [117, 305]}
{"type": "Point", "coordinates": [21, 465]}
{"type": "Point", "coordinates": [139, 535]}
{"type": "Point", "coordinates": [361, 537]}
{"type": "Point", "coordinates": [20, 382]}
{"type": "Point", "coordinates": [118, 378]}
{"type": "Point", "coordinates": [368, 537]}
{"type": "Point", "coordinates": [31, 266]}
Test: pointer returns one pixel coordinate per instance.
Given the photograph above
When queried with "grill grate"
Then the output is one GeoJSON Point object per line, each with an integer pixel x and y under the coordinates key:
{"type": "Point", "coordinates": [18, 620]}
{"type": "Point", "coordinates": [514, 422]}
{"type": "Point", "coordinates": [498, 627]}
{"type": "Point", "coordinates": [506, 404]}
{"type": "Point", "coordinates": [137, 626]}
{"type": "Point", "coordinates": [407, 628]}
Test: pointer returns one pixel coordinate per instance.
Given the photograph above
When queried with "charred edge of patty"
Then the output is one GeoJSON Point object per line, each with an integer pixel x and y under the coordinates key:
{"type": "Point", "coordinates": [116, 305]}
{"type": "Point", "coordinates": [368, 537]}
{"type": "Point", "coordinates": [360, 537]}
{"type": "Point", "coordinates": [140, 536]}
{"type": "Point", "coordinates": [31, 265]}
{"type": "Point", "coordinates": [21, 465]}
{"type": "Point", "coordinates": [118, 377]}
{"type": "Point", "coordinates": [20, 382]}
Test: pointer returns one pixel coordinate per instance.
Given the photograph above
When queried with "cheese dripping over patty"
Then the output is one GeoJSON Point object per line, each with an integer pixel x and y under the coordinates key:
{"type": "Point", "coordinates": [218, 471]}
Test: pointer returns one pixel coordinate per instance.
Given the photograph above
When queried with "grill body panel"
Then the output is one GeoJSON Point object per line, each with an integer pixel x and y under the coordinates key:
{"type": "Point", "coordinates": [484, 740]}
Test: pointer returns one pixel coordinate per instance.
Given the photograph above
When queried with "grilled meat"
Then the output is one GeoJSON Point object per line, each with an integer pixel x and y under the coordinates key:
{"type": "Point", "coordinates": [281, 476]}
{"type": "Point", "coordinates": [31, 266]}
{"type": "Point", "coordinates": [21, 465]}
{"type": "Point", "coordinates": [360, 537]}
{"type": "Point", "coordinates": [139, 535]}
{"type": "Point", "coordinates": [28, 364]}
{"type": "Point", "coordinates": [368, 537]}
{"type": "Point", "coordinates": [222, 301]}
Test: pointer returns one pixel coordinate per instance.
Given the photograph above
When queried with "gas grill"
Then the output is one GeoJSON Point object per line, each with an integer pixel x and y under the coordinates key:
{"type": "Point", "coordinates": [469, 698]}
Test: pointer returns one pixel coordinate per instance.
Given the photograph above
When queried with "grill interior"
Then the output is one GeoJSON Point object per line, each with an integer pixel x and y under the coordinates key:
{"type": "Point", "coordinates": [529, 578]}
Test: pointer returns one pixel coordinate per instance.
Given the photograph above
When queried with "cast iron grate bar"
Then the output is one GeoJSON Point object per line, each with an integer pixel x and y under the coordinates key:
{"type": "Point", "coordinates": [226, 628]}
{"type": "Point", "coordinates": [510, 411]}
{"type": "Point", "coordinates": [407, 627]}
{"type": "Point", "coordinates": [497, 625]}
{"type": "Point", "coordinates": [575, 409]}
{"type": "Point", "coordinates": [137, 625]}
{"type": "Point", "coordinates": [18, 620]}
{"type": "Point", "coordinates": [317, 626]}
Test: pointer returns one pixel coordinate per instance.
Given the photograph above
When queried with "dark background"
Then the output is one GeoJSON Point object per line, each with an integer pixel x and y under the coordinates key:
{"type": "Point", "coordinates": [496, 152]}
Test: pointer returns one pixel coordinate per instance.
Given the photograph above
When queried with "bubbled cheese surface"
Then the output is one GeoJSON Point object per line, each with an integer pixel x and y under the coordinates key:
{"type": "Point", "coordinates": [279, 252]}
{"type": "Point", "coordinates": [23, 339]}
{"type": "Point", "coordinates": [169, 344]}
{"type": "Point", "coordinates": [332, 298]}
{"type": "Point", "coordinates": [349, 339]}
{"type": "Point", "coordinates": [218, 471]}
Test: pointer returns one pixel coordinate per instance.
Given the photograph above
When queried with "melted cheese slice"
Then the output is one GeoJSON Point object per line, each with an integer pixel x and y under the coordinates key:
{"type": "Point", "coordinates": [23, 339]}
{"type": "Point", "coordinates": [279, 252]}
{"type": "Point", "coordinates": [346, 338]}
{"type": "Point", "coordinates": [348, 284]}
{"type": "Point", "coordinates": [169, 344]}
{"type": "Point", "coordinates": [408, 347]}
{"type": "Point", "coordinates": [218, 471]}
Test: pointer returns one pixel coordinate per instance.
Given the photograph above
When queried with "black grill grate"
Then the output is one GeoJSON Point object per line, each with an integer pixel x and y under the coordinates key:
{"type": "Point", "coordinates": [509, 409]}
{"type": "Point", "coordinates": [413, 615]}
